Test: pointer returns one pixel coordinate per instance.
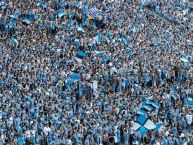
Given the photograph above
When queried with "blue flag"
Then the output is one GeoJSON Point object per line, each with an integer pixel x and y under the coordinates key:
{"type": "Point", "coordinates": [12, 23]}
{"type": "Point", "coordinates": [126, 41]}
{"type": "Point", "coordinates": [99, 38]}
{"type": "Point", "coordinates": [85, 10]}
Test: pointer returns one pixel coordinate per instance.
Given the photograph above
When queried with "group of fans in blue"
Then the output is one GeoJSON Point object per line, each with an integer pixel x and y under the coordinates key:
{"type": "Point", "coordinates": [96, 72]}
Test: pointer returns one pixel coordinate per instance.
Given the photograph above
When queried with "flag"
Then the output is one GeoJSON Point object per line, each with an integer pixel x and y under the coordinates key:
{"type": "Point", "coordinates": [130, 53]}
{"type": "Point", "coordinates": [85, 10]}
{"type": "Point", "coordinates": [93, 13]}
{"type": "Point", "coordinates": [80, 29]}
{"type": "Point", "coordinates": [159, 127]}
{"type": "Point", "coordinates": [99, 38]}
{"type": "Point", "coordinates": [148, 107]}
{"type": "Point", "coordinates": [141, 119]}
{"type": "Point", "coordinates": [79, 56]}
{"type": "Point", "coordinates": [27, 21]}
{"type": "Point", "coordinates": [155, 41]}
{"type": "Point", "coordinates": [74, 77]}
{"type": "Point", "coordinates": [60, 13]}
{"type": "Point", "coordinates": [2, 4]}
{"type": "Point", "coordinates": [106, 59]}
{"type": "Point", "coordinates": [52, 25]}
{"type": "Point", "coordinates": [135, 126]}
{"type": "Point", "coordinates": [142, 130]}
{"type": "Point", "coordinates": [149, 125]}
{"type": "Point", "coordinates": [153, 104]}
{"type": "Point", "coordinates": [126, 41]}
{"type": "Point", "coordinates": [12, 23]}
{"type": "Point", "coordinates": [15, 41]}
{"type": "Point", "coordinates": [76, 42]}
{"type": "Point", "coordinates": [190, 102]}
{"type": "Point", "coordinates": [15, 16]}
{"type": "Point", "coordinates": [185, 59]}
{"type": "Point", "coordinates": [141, 112]}
{"type": "Point", "coordinates": [109, 36]}
{"type": "Point", "coordinates": [97, 53]}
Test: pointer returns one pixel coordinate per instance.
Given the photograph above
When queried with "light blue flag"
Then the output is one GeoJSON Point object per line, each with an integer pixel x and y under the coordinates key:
{"type": "Point", "coordinates": [109, 36]}
{"type": "Point", "coordinates": [98, 53]}
{"type": "Point", "coordinates": [15, 42]}
{"type": "Point", "coordinates": [12, 23]}
{"type": "Point", "coordinates": [15, 15]}
{"type": "Point", "coordinates": [75, 76]}
{"type": "Point", "coordinates": [141, 119]}
{"type": "Point", "coordinates": [99, 38]}
{"type": "Point", "coordinates": [76, 42]}
{"type": "Point", "coordinates": [53, 26]}
{"type": "Point", "coordinates": [85, 10]}
{"type": "Point", "coordinates": [80, 29]}
{"type": "Point", "coordinates": [142, 130]}
{"type": "Point", "coordinates": [2, 4]}
{"type": "Point", "coordinates": [27, 21]}
{"type": "Point", "coordinates": [126, 41]}
{"type": "Point", "coordinates": [155, 41]}
{"type": "Point", "coordinates": [20, 140]}
{"type": "Point", "coordinates": [61, 13]}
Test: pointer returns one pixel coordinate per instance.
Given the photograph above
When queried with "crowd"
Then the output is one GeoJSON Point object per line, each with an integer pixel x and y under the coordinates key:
{"type": "Point", "coordinates": [96, 72]}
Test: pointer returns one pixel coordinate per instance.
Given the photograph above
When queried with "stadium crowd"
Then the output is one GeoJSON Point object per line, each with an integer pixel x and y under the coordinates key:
{"type": "Point", "coordinates": [96, 72]}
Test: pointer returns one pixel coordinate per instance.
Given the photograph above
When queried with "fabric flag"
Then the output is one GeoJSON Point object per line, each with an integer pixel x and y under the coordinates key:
{"type": "Point", "coordinates": [106, 59]}
{"type": "Point", "coordinates": [2, 4]}
{"type": "Point", "coordinates": [79, 56]}
{"type": "Point", "coordinates": [174, 97]}
{"type": "Point", "coordinates": [159, 127]}
{"type": "Point", "coordinates": [80, 29]}
{"type": "Point", "coordinates": [109, 36]}
{"type": "Point", "coordinates": [76, 42]}
{"type": "Point", "coordinates": [15, 41]}
{"type": "Point", "coordinates": [52, 25]}
{"type": "Point", "coordinates": [126, 41]}
{"type": "Point", "coordinates": [92, 13]}
{"type": "Point", "coordinates": [20, 140]}
{"type": "Point", "coordinates": [190, 102]}
{"type": "Point", "coordinates": [153, 104]}
{"type": "Point", "coordinates": [142, 112]}
{"type": "Point", "coordinates": [142, 130]}
{"type": "Point", "coordinates": [141, 119]}
{"type": "Point", "coordinates": [99, 38]}
{"type": "Point", "coordinates": [148, 107]}
{"type": "Point", "coordinates": [27, 21]}
{"type": "Point", "coordinates": [185, 59]}
{"type": "Point", "coordinates": [98, 53]}
{"type": "Point", "coordinates": [74, 77]}
{"type": "Point", "coordinates": [85, 10]}
{"type": "Point", "coordinates": [149, 125]}
{"type": "Point", "coordinates": [130, 53]}
{"type": "Point", "coordinates": [15, 16]}
{"type": "Point", "coordinates": [61, 13]}
{"type": "Point", "coordinates": [12, 23]}
{"type": "Point", "coordinates": [155, 41]}
{"type": "Point", "coordinates": [135, 126]}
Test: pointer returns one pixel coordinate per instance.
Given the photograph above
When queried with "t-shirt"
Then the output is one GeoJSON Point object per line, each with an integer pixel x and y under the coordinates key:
{"type": "Point", "coordinates": [157, 143]}
{"type": "Point", "coordinates": [189, 119]}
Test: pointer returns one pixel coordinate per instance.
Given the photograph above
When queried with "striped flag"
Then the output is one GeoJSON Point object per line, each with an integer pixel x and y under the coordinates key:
{"type": "Point", "coordinates": [93, 13]}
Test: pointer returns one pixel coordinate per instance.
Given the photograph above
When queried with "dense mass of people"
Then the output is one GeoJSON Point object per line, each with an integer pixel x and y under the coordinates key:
{"type": "Point", "coordinates": [88, 72]}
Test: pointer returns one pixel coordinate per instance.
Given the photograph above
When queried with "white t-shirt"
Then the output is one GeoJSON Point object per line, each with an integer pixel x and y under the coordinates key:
{"type": "Point", "coordinates": [47, 130]}
{"type": "Point", "coordinates": [157, 143]}
{"type": "Point", "coordinates": [189, 118]}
